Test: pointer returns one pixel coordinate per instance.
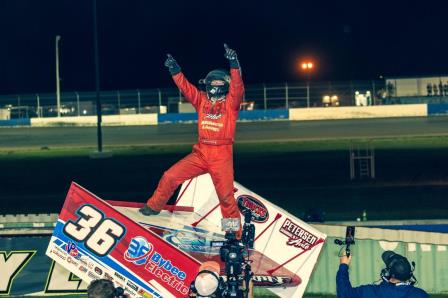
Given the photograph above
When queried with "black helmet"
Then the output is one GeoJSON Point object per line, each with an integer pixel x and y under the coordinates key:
{"type": "Point", "coordinates": [216, 83]}
{"type": "Point", "coordinates": [397, 266]}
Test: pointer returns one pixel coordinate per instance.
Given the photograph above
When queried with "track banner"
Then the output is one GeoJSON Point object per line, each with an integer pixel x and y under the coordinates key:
{"type": "Point", "coordinates": [26, 270]}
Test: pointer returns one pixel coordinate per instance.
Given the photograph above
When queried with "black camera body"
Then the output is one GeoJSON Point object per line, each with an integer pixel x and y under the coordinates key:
{"type": "Point", "coordinates": [349, 239]}
{"type": "Point", "coordinates": [234, 253]}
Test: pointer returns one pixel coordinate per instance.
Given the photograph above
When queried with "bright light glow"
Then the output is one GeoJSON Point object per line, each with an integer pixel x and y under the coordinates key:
{"type": "Point", "coordinates": [307, 65]}
{"type": "Point", "coordinates": [206, 283]}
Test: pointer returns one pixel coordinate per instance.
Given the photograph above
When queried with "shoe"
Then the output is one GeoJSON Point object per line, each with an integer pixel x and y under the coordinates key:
{"type": "Point", "coordinates": [145, 210]}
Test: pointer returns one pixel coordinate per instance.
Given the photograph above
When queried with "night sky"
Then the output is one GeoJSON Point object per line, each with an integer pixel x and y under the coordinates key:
{"type": "Point", "coordinates": [347, 40]}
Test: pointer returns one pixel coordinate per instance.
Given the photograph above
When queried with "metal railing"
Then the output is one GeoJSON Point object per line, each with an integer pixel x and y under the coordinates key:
{"type": "Point", "coordinates": [140, 101]}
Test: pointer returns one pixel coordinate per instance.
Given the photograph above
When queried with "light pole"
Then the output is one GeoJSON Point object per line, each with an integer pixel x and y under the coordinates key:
{"type": "Point", "coordinates": [100, 153]}
{"type": "Point", "coordinates": [58, 81]}
{"type": "Point", "coordinates": [97, 79]}
{"type": "Point", "coordinates": [307, 66]}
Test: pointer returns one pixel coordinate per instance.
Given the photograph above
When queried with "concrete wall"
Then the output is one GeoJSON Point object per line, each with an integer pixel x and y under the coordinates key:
{"type": "Point", "coordinates": [414, 110]}
{"type": "Point", "coordinates": [301, 114]}
{"type": "Point", "coordinates": [109, 120]}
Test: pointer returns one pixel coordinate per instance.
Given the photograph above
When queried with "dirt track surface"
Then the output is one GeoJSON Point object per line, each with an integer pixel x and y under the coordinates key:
{"type": "Point", "coordinates": [246, 132]}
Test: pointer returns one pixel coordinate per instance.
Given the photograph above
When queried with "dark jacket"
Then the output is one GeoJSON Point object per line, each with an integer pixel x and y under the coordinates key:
{"type": "Point", "coordinates": [383, 290]}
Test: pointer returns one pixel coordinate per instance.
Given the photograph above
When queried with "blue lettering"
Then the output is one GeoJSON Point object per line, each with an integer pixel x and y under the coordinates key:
{"type": "Point", "coordinates": [155, 258]}
{"type": "Point", "coordinates": [168, 266]}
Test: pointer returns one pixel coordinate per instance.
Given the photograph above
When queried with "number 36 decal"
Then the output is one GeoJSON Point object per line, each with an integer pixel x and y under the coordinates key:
{"type": "Point", "coordinates": [98, 233]}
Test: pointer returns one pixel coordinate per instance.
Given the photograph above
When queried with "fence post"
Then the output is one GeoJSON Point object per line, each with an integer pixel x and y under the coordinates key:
{"type": "Point", "coordinates": [138, 98]}
{"type": "Point", "coordinates": [160, 98]}
{"type": "Point", "coordinates": [38, 105]}
{"type": "Point", "coordinates": [264, 97]}
{"type": "Point", "coordinates": [77, 102]}
{"type": "Point", "coordinates": [286, 95]}
{"type": "Point", "coordinates": [119, 102]}
{"type": "Point", "coordinates": [308, 94]}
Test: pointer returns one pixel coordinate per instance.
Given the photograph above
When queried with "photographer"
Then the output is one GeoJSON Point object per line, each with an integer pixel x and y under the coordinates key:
{"type": "Point", "coordinates": [397, 280]}
{"type": "Point", "coordinates": [104, 288]}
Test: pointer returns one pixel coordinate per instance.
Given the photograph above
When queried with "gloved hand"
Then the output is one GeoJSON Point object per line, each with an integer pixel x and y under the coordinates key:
{"type": "Point", "coordinates": [232, 57]}
{"type": "Point", "coordinates": [172, 65]}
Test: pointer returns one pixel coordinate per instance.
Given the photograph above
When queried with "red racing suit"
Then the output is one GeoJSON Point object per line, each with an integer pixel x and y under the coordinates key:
{"type": "Point", "coordinates": [213, 153]}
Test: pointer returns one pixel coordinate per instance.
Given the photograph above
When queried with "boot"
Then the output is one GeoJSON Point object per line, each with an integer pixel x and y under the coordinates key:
{"type": "Point", "coordinates": [145, 210]}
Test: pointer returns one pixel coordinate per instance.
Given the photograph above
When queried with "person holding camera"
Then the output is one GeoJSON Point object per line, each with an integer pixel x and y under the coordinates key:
{"type": "Point", "coordinates": [397, 280]}
{"type": "Point", "coordinates": [104, 288]}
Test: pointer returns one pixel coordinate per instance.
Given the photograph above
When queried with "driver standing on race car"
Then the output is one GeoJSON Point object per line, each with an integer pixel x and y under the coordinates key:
{"type": "Point", "coordinates": [217, 110]}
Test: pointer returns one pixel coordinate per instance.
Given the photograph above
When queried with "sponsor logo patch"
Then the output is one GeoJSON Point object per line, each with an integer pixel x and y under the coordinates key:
{"type": "Point", "coordinates": [138, 251]}
{"type": "Point", "coordinates": [71, 260]}
{"type": "Point", "coordinates": [298, 237]}
{"type": "Point", "coordinates": [107, 276]}
{"type": "Point", "coordinates": [259, 211]}
{"type": "Point", "coordinates": [142, 252]}
{"type": "Point", "coordinates": [71, 248]}
{"type": "Point", "coordinates": [93, 276]}
{"type": "Point", "coordinates": [119, 276]}
{"type": "Point", "coordinates": [98, 271]}
{"type": "Point", "coordinates": [273, 281]}
{"type": "Point", "coordinates": [132, 285]}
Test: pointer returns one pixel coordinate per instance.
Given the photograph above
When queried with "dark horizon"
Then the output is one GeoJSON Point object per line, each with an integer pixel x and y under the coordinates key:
{"type": "Point", "coordinates": [349, 41]}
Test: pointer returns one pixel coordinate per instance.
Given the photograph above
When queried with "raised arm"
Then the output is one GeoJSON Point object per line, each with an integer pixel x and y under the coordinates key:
{"type": "Point", "coordinates": [236, 88]}
{"type": "Point", "coordinates": [190, 92]}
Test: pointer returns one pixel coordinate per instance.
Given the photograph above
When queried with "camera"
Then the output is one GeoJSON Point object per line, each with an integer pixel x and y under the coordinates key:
{"type": "Point", "coordinates": [234, 253]}
{"type": "Point", "coordinates": [349, 240]}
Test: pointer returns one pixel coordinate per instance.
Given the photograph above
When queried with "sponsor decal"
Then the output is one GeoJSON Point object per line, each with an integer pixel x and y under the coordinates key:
{"type": "Point", "coordinates": [93, 276]}
{"type": "Point", "coordinates": [142, 252]}
{"type": "Point", "coordinates": [259, 211]}
{"type": "Point", "coordinates": [119, 276]}
{"type": "Point", "coordinates": [72, 249]}
{"type": "Point", "coordinates": [71, 260]}
{"type": "Point", "coordinates": [130, 292]}
{"type": "Point", "coordinates": [59, 249]}
{"type": "Point", "coordinates": [108, 276]}
{"type": "Point", "coordinates": [138, 251]}
{"type": "Point", "coordinates": [132, 285]}
{"type": "Point", "coordinates": [60, 254]}
{"type": "Point", "coordinates": [83, 260]}
{"type": "Point", "coordinates": [187, 241]}
{"type": "Point", "coordinates": [83, 269]}
{"type": "Point", "coordinates": [98, 271]}
{"type": "Point", "coordinates": [271, 281]}
{"type": "Point", "coordinates": [298, 237]}
{"type": "Point", "coordinates": [145, 294]}
{"type": "Point", "coordinates": [91, 265]}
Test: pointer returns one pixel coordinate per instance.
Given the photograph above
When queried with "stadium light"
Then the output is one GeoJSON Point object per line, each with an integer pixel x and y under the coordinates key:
{"type": "Point", "coordinates": [307, 65]}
